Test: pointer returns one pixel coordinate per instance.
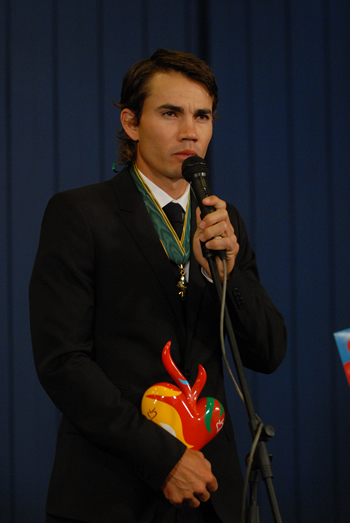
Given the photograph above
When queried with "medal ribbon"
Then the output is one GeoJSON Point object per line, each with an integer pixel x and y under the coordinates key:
{"type": "Point", "coordinates": [177, 249]}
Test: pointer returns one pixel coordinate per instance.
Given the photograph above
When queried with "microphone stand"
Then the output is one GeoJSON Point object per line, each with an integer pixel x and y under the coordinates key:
{"type": "Point", "coordinates": [262, 460]}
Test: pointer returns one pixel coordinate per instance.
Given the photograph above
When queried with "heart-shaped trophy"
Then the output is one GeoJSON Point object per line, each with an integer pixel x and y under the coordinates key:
{"type": "Point", "coordinates": [178, 410]}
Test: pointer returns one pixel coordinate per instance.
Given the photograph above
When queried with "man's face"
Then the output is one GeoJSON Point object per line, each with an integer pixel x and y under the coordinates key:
{"type": "Point", "coordinates": [176, 122]}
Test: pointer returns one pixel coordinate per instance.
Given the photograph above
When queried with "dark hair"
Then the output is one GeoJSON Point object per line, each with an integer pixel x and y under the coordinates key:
{"type": "Point", "coordinates": [136, 81]}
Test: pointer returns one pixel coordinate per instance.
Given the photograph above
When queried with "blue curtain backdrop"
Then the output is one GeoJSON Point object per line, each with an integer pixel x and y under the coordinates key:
{"type": "Point", "coordinates": [281, 153]}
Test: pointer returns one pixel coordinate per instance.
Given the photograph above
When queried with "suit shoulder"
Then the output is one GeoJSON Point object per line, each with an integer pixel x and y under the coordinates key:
{"type": "Point", "coordinates": [88, 194]}
{"type": "Point", "coordinates": [80, 194]}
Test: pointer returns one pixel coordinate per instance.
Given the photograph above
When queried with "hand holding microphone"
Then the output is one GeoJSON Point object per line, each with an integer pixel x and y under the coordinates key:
{"type": "Point", "coordinates": [214, 229]}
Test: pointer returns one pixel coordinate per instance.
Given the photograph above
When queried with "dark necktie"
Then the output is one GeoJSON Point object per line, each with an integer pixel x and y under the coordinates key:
{"type": "Point", "coordinates": [175, 216]}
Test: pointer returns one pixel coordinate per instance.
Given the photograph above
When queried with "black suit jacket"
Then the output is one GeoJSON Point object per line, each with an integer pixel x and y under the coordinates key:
{"type": "Point", "coordinates": [103, 303]}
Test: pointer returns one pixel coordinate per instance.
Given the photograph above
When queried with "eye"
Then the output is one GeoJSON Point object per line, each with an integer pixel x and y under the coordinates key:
{"type": "Point", "coordinates": [169, 113]}
{"type": "Point", "coordinates": [203, 117]}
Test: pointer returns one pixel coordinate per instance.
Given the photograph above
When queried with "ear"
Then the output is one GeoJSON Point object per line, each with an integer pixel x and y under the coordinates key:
{"type": "Point", "coordinates": [128, 120]}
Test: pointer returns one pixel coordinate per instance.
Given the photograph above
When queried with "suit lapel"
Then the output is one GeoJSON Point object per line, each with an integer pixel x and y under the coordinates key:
{"type": "Point", "coordinates": [135, 216]}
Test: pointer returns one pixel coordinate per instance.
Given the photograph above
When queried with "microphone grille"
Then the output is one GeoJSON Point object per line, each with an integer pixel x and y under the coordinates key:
{"type": "Point", "coordinates": [194, 165]}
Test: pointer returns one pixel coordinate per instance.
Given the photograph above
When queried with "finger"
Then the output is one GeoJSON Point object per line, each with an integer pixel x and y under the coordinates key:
{"type": "Point", "coordinates": [204, 496]}
{"type": "Point", "coordinates": [218, 216]}
{"type": "Point", "coordinates": [215, 202]}
{"type": "Point", "coordinates": [193, 502]}
{"type": "Point", "coordinates": [213, 486]}
{"type": "Point", "coordinates": [217, 230]}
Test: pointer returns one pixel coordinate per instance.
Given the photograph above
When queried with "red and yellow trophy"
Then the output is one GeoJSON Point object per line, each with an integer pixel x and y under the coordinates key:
{"type": "Point", "coordinates": [177, 409]}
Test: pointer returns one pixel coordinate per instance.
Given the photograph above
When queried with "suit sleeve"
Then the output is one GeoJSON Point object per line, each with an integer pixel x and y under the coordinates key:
{"type": "Point", "coordinates": [259, 327]}
{"type": "Point", "coordinates": [62, 314]}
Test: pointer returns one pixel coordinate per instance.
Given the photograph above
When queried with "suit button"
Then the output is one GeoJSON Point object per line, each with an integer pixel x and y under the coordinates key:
{"type": "Point", "coordinates": [187, 374]}
{"type": "Point", "coordinates": [238, 298]}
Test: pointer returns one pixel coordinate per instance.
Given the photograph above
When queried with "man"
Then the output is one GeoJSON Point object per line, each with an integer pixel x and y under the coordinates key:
{"type": "Point", "coordinates": [105, 300]}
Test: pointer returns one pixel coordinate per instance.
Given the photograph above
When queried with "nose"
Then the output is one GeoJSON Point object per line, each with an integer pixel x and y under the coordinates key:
{"type": "Point", "coordinates": [187, 130]}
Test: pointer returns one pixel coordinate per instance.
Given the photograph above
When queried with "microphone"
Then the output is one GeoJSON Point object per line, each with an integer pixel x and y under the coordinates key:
{"type": "Point", "coordinates": [195, 171]}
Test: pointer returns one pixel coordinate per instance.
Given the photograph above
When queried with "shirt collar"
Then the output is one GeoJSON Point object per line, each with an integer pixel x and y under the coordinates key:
{"type": "Point", "coordinates": [162, 197]}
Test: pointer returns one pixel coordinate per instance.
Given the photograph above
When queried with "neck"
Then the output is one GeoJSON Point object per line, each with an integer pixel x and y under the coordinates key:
{"type": "Point", "coordinates": [174, 188]}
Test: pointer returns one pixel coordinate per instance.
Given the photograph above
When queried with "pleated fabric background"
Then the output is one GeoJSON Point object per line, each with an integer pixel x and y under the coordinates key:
{"type": "Point", "coordinates": [280, 152]}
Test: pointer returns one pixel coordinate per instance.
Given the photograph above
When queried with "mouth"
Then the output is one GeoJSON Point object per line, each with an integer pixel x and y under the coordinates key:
{"type": "Point", "coordinates": [185, 153]}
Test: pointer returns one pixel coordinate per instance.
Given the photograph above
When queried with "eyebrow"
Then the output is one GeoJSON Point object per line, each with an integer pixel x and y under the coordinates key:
{"type": "Point", "coordinates": [179, 109]}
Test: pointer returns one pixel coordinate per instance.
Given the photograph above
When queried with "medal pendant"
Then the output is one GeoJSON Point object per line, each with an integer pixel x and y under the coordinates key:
{"type": "Point", "coordinates": [182, 283]}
